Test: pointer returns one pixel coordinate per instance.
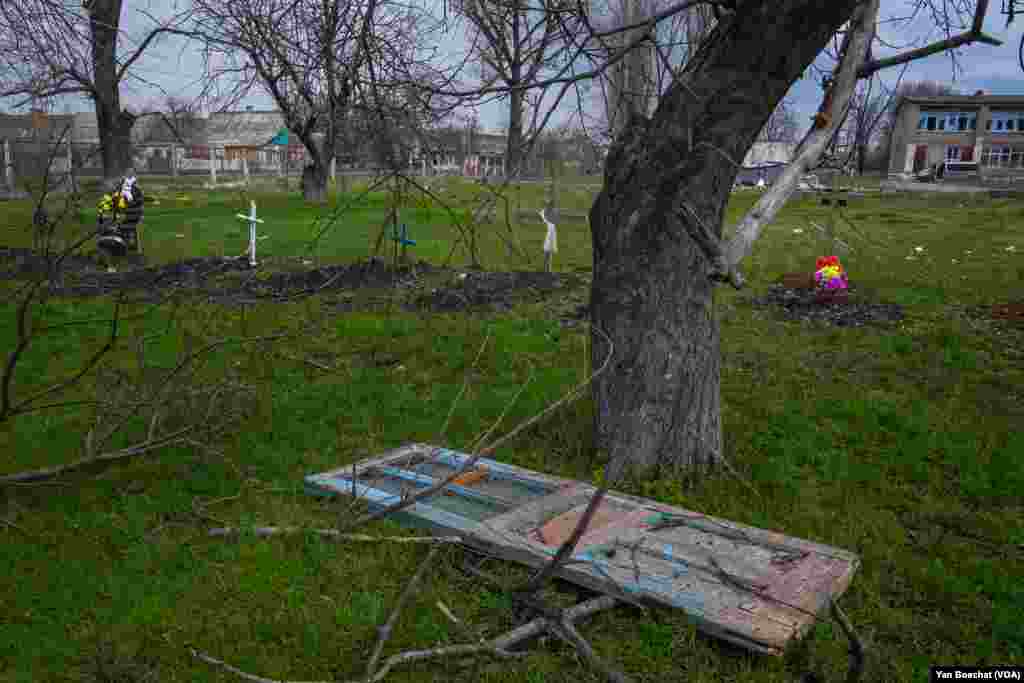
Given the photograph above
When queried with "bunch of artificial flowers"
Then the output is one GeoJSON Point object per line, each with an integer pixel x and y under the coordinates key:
{"type": "Point", "coordinates": [829, 273]}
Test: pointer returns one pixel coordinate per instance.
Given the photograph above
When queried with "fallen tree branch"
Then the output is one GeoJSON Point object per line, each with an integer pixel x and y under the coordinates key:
{"type": "Point", "coordinates": [267, 531]}
{"type": "Point", "coordinates": [384, 631]}
{"type": "Point", "coordinates": [459, 624]}
{"type": "Point", "coordinates": [570, 634]}
{"type": "Point", "coordinates": [856, 646]}
{"type": "Point", "coordinates": [536, 583]}
{"type": "Point", "coordinates": [123, 454]}
{"type": "Point", "coordinates": [242, 674]}
{"type": "Point", "coordinates": [465, 385]}
{"type": "Point", "coordinates": [501, 645]}
{"type": "Point", "coordinates": [498, 647]}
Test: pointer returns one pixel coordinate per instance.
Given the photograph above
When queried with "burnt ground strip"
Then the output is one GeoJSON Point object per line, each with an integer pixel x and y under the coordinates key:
{"type": "Point", "coordinates": [801, 305]}
{"type": "Point", "coordinates": [495, 290]}
{"type": "Point", "coordinates": [233, 281]}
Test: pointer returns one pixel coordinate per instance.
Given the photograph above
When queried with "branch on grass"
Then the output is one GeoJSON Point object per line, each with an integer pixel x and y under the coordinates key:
{"type": "Point", "coordinates": [856, 646]}
{"type": "Point", "coordinates": [465, 385]}
{"type": "Point", "coordinates": [148, 446]}
{"type": "Point", "coordinates": [568, 632]}
{"type": "Point", "coordinates": [384, 630]}
{"type": "Point", "coordinates": [498, 647]}
{"type": "Point", "coordinates": [334, 534]}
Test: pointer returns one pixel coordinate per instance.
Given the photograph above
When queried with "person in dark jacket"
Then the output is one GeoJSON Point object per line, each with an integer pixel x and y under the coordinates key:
{"type": "Point", "coordinates": [131, 213]}
{"type": "Point", "coordinates": [118, 217]}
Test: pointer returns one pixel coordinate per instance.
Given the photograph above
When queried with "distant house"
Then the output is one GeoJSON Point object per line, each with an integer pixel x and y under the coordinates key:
{"type": "Point", "coordinates": [982, 133]}
{"type": "Point", "coordinates": [473, 152]}
{"type": "Point", "coordinates": [29, 142]}
{"type": "Point", "coordinates": [234, 136]}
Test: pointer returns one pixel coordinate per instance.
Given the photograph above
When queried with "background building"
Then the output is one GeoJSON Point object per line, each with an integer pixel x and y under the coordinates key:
{"type": "Point", "coordinates": [986, 130]}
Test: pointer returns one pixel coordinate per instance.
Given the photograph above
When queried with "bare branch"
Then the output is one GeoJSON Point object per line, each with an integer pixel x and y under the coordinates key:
{"type": "Point", "coordinates": [384, 631]}
{"type": "Point", "coordinates": [484, 451]}
{"type": "Point", "coordinates": [973, 35]}
{"type": "Point", "coordinates": [148, 446]}
{"type": "Point", "coordinates": [807, 152]}
{"type": "Point", "coordinates": [333, 534]}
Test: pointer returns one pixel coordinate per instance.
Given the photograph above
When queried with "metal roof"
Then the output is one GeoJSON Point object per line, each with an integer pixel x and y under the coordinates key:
{"type": "Point", "coordinates": [243, 128]}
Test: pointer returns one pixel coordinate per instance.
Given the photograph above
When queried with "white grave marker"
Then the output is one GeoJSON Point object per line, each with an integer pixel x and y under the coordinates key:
{"type": "Point", "coordinates": [252, 231]}
{"type": "Point", "coordinates": [550, 241]}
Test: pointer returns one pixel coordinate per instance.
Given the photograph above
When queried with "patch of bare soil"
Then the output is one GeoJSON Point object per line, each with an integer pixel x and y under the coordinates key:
{"type": "Point", "coordinates": [18, 263]}
{"type": "Point", "coordinates": [802, 304]}
{"type": "Point", "coordinates": [218, 279]}
{"type": "Point", "coordinates": [234, 282]}
{"type": "Point", "coordinates": [494, 290]}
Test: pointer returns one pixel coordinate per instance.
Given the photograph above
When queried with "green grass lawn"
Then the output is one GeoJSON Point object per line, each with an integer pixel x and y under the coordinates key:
{"type": "Point", "coordinates": [901, 444]}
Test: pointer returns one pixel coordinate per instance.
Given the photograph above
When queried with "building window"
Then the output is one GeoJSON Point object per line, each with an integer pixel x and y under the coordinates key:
{"type": "Point", "coordinates": [996, 157]}
{"type": "Point", "coordinates": [952, 153]}
{"type": "Point", "coordinates": [1006, 121]}
{"type": "Point", "coordinates": [960, 121]}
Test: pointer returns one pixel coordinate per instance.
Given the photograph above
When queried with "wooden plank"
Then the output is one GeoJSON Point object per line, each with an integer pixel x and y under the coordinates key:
{"type": "Point", "coordinates": [756, 588]}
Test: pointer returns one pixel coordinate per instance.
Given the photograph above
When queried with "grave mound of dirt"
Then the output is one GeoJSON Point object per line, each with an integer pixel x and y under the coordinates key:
{"type": "Point", "coordinates": [226, 280]}
{"type": "Point", "coordinates": [17, 262]}
{"type": "Point", "coordinates": [496, 290]}
{"type": "Point", "coordinates": [295, 282]}
{"type": "Point", "coordinates": [802, 305]}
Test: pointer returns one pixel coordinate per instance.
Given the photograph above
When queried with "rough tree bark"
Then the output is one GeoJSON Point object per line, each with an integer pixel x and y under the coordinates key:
{"type": "Point", "coordinates": [314, 182]}
{"type": "Point", "coordinates": [667, 182]}
{"type": "Point", "coordinates": [514, 143]}
{"type": "Point", "coordinates": [115, 125]}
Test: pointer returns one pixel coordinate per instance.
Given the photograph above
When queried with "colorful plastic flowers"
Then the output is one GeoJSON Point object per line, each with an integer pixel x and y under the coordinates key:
{"type": "Point", "coordinates": [829, 273]}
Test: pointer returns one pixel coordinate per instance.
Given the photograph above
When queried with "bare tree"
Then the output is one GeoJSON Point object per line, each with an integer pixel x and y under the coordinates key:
{"type": "Point", "coordinates": [782, 125]}
{"type": "Point", "coordinates": [634, 83]}
{"type": "Point", "coordinates": [657, 224]}
{"type": "Point", "coordinates": [659, 248]}
{"type": "Point", "coordinates": [517, 41]}
{"type": "Point", "coordinates": [50, 48]}
{"type": "Point", "coordinates": [631, 83]}
{"type": "Point", "coordinates": [320, 62]}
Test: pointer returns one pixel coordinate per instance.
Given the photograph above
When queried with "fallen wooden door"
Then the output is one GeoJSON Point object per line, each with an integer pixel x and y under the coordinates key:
{"type": "Point", "coordinates": [759, 589]}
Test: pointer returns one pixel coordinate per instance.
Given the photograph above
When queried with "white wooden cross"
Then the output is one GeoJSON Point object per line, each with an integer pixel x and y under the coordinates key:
{"type": "Point", "coordinates": [550, 241]}
{"type": "Point", "coordinates": [252, 231]}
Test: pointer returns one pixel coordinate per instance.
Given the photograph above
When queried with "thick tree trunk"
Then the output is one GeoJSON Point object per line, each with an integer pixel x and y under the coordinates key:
{"type": "Point", "coordinates": [115, 126]}
{"type": "Point", "coordinates": [115, 129]}
{"type": "Point", "coordinates": [514, 144]}
{"type": "Point", "coordinates": [666, 186]}
{"type": "Point", "coordinates": [314, 183]}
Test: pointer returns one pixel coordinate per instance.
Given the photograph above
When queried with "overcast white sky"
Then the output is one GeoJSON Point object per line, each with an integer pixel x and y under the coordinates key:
{"type": "Point", "coordinates": [995, 69]}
